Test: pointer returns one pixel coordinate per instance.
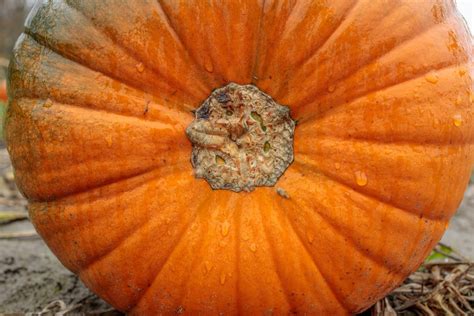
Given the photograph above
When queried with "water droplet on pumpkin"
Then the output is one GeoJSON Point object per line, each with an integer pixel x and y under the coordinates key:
{"type": "Point", "coordinates": [337, 166]}
{"type": "Point", "coordinates": [225, 228]}
{"type": "Point", "coordinates": [208, 65]}
{"type": "Point", "coordinates": [253, 247]}
{"type": "Point", "coordinates": [208, 266]}
{"type": "Point", "coordinates": [331, 88]}
{"type": "Point", "coordinates": [310, 236]}
{"type": "Point", "coordinates": [222, 278]}
{"type": "Point", "coordinates": [48, 103]}
{"type": "Point", "coordinates": [108, 139]}
{"type": "Point", "coordinates": [361, 178]}
{"type": "Point", "coordinates": [457, 120]}
{"type": "Point", "coordinates": [140, 67]}
{"type": "Point", "coordinates": [432, 78]}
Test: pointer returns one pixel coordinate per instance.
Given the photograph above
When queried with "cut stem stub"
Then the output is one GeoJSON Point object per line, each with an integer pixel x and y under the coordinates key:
{"type": "Point", "coordinates": [241, 139]}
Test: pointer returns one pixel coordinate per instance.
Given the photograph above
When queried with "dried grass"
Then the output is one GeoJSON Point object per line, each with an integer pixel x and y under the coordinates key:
{"type": "Point", "coordinates": [439, 287]}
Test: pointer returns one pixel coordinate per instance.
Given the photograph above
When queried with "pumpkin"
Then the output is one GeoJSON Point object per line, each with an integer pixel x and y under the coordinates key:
{"type": "Point", "coordinates": [3, 90]}
{"type": "Point", "coordinates": [109, 102]}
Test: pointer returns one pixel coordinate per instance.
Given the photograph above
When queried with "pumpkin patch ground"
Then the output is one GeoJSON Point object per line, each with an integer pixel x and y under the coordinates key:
{"type": "Point", "coordinates": [244, 157]}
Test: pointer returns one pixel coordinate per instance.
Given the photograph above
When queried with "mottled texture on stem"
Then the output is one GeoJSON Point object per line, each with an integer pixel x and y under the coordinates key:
{"type": "Point", "coordinates": [241, 139]}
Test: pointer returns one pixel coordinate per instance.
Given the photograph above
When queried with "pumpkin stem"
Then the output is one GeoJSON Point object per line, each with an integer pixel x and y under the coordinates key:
{"type": "Point", "coordinates": [241, 139]}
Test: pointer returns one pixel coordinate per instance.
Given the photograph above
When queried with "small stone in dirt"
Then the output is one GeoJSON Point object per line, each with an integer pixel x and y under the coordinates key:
{"type": "Point", "coordinates": [8, 261]}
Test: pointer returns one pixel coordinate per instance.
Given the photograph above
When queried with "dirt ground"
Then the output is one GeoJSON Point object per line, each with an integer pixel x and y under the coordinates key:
{"type": "Point", "coordinates": [460, 234]}
{"type": "Point", "coordinates": [31, 277]}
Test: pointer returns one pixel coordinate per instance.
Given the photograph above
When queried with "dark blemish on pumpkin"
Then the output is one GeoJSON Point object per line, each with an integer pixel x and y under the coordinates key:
{"type": "Point", "coordinates": [203, 112]}
{"type": "Point", "coordinates": [146, 108]}
{"type": "Point", "coordinates": [194, 160]}
{"type": "Point", "coordinates": [222, 97]}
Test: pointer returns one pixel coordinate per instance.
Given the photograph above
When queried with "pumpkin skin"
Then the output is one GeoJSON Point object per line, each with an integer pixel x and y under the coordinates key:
{"type": "Point", "coordinates": [3, 90]}
{"type": "Point", "coordinates": [101, 95]}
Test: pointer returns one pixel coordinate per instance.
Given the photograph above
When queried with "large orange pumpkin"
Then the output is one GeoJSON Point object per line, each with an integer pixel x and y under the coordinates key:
{"type": "Point", "coordinates": [102, 93]}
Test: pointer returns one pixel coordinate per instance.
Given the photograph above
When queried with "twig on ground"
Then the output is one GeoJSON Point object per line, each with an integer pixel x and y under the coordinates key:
{"type": "Point", "coordinates": [437, 288]}
{"type": "Point", "coordinates": [60, 308]}
{"type": "Point", "coordinates": [19, 235]}
{"type": "Point", "coordinates": [7, 217]}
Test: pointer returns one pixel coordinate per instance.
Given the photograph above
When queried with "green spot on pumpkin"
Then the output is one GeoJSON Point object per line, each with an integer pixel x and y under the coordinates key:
{"type": "Point", "coordinates": [259, 119]}
{"type": "Point", "coordinates": [267, 147]}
